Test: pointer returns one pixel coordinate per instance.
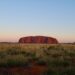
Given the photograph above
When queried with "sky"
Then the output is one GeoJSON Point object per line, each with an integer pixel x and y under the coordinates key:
{"type": "Point", "coordinates": [20, 18]}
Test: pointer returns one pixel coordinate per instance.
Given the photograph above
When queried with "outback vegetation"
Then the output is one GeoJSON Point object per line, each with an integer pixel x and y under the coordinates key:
{"type": "Point", "coordinates": [37, 59]}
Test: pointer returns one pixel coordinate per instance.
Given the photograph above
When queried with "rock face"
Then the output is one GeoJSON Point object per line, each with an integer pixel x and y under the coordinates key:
{"type": "Point", "coordinates": [38, 39]}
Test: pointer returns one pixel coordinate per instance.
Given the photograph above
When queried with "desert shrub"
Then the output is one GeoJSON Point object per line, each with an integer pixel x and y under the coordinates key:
{"type": "Point", "coordinates": [61, 63]}
{"type": "Point", "coordinates": [70, 53]}
{"type": "Point", "coordinates": [12, 63]}
{"type": "Point", "coordinates": [41, 62]}
{"type": "Point", "coordinates": [51, 72]}
{"type": "Point", "coordinates": [55, 47]}
{"type": "Point", "coordinates": [51, 48]}
{"type": "Point", "coordinates": [15, 60]}
{"type": "Point", "coordinates": [2, 54]}
{"type": "Point", "coordinates": [23, 52]}
{"type": "Point", "coordinates": [28, 54]}
{"type": "Point", "coordinates": [33, 55]}
{"type": "Point", "coordinates": [69, 71]}
{"type": "Point", "coordinates": [13, 51]}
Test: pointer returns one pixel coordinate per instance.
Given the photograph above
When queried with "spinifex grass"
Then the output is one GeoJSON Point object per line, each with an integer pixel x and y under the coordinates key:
{"type": "Point", "coordinates": [59, 59]}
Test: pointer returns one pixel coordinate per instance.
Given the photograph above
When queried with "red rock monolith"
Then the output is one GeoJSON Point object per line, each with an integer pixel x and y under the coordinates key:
{"type": "Point", "coordinates": [38, 39]}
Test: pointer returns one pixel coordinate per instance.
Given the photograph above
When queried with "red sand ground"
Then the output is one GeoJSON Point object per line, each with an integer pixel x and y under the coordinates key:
{"type": "Point", "coordinates": [33, 70]}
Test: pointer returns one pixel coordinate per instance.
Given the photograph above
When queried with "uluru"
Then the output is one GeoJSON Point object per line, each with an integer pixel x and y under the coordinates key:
{"type": "Point", "coordinates": [38, 40]}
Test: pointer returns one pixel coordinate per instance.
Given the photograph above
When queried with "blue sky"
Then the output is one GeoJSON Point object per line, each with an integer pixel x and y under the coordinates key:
{"type": "Point", "coordinates": [55, 18]}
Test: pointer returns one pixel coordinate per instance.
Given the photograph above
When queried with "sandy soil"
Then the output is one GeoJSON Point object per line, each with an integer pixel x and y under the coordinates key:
{"type": "Point", "coordinates": [33, 70]}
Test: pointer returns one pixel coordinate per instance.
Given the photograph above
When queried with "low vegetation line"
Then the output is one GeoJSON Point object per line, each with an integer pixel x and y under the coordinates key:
{"type": "Point", "coordinates": [58, 58]}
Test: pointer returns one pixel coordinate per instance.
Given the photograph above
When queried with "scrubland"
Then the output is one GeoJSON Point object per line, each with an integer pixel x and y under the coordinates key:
{"type": "Point", "coordinates": [58, 59]}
